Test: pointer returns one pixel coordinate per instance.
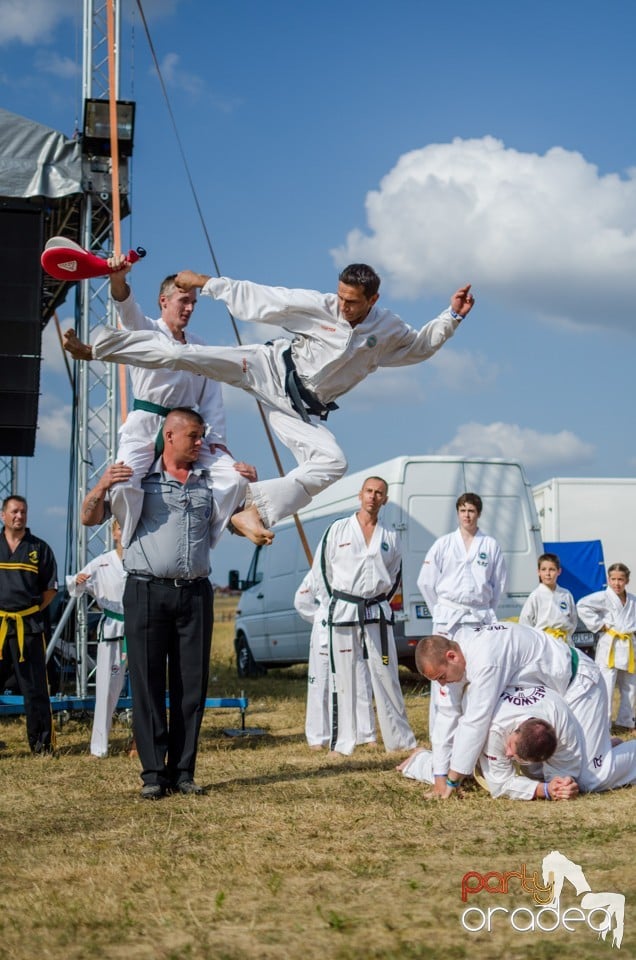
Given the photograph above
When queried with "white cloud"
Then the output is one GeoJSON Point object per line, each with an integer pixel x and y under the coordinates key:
{"type": "Point", "coordinates": [32, 21]}
{"type": "Point", "coordinates": [177, 78]}
{"type": "Point", "coordinates": [543, 233]}
{"type": "Point", "coordinates": [510, 441]}
{"type": "Point", "coordinates": [460, 370]}
{"type": "Point", "coordinates": [50, 62]}
{"type": "Point", "coordinates": [54, 423]}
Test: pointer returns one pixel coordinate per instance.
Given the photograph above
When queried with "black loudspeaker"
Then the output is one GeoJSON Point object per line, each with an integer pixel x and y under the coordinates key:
{"type": "Point", "coordinates": [21, 240]}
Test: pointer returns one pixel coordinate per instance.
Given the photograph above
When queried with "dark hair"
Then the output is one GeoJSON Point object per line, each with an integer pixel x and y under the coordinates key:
{"type": "Point", "coordinates": [536, 742]}
{"type": "Point", "coordinates": [361, 275]}
{"type": "Point", "coordinates": [620, 568]}
{"type": "Point", "coordinates": [13, 496]}
{"type": "Point", "coordinates": [473, 499]}
{"type": "Point", "coordinates": [549, 558]}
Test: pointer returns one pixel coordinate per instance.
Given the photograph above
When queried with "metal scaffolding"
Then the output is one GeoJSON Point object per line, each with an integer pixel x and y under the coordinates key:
{"type": "Point", "coordinates": [96, 383]}
{"type": "Point", "coordinates": [8, 476]}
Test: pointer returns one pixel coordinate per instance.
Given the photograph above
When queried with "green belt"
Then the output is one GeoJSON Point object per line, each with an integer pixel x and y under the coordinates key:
{"type": "Point", "coordinates": [575, 662]}
{"type": "Point", "coordinates": [113, 615]}
{"type": "Point", "coordinates": [149, 407]}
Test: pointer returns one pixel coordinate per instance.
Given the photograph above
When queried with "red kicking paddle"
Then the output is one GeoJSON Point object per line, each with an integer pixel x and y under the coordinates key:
{"type": "Point", "coordinates": [66, 260]}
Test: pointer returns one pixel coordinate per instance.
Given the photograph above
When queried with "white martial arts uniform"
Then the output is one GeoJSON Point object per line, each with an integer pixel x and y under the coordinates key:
{"type": "Point", "coordinates": [312, 603]}
{"type": "Point", "coordinates": [506, 778]}
{"type": "Point", "coordinates": [461, 588]}
{"type": "Point", "coordinates": [366, 571]}
{"type": "Point", "coordinates": [107, 578]}
{"type": "Point", "coordinates": [551, 610]}
{"type": "Point", "coordinates": [502, 655]}
{"type": "Point", "coordinates": [330, 358]}
{"type": "Point", "coordinates": [137, 436]}
{"type": "Point", "coordinates": [615, 647]}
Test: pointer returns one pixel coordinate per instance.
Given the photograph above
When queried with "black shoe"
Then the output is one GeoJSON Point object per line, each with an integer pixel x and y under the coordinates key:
{"type": "Point", "coordinates": [188, 788]}
{"type": "Point", "coordinates": [152, 791]}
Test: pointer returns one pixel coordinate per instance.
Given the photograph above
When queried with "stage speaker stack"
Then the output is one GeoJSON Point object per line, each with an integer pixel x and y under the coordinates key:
{"type": "Point", "coordinates": [21, 243]}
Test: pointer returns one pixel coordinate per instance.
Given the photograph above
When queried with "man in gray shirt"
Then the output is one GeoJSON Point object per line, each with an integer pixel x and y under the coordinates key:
{"type": "Point", "coordinates": [168, 604]}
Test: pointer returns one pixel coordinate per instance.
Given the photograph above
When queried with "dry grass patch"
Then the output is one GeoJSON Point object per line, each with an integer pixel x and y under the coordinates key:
{"type": "Point", "coordinates": [292, 854]}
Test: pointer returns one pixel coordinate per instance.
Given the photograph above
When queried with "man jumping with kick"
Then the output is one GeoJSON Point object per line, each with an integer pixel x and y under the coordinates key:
{"type": "Point", "coordinates": [338, 339]}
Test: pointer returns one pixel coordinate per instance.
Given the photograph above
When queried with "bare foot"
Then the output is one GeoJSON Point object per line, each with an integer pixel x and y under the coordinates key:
{"type": "Point", "coordinates": [248, 523]}
{"type": "Point", "coordinates": [316, 746]}
{"type": "Point", "coordinates": [74, 346]}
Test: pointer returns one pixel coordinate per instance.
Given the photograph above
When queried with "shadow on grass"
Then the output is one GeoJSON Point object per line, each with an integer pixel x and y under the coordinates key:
{"type": "Point", "coordinates": [339, 766]}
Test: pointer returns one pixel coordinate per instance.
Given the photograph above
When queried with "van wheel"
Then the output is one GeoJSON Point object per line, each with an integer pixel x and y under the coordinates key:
{"type": "Point", "coordinates": [246, 665]}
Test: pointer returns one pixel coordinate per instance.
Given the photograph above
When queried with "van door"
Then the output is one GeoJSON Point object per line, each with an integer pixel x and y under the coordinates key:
{"type": "Point", "coordinates": [250, 619]}
{"type": "Point", "coordinates": [428, 498]}
{"type": "Point", "coordinates": [509, 515]}
{"type": "Point", "coordinates": [287, 634]}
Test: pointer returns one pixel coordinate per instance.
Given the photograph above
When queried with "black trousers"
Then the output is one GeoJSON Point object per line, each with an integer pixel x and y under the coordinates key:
{"type": "Point", "coordinates": [33, 685]}
{"type": "Point", "coordinates": [169, 629]}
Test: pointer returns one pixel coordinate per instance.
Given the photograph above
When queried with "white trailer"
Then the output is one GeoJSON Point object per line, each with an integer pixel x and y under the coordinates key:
{"type": "Point", "coordinates": [421, 507]}
{"type": "Point", "coordinates": [590, 508]}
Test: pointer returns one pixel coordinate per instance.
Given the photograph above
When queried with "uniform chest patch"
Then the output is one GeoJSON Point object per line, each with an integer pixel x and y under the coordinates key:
{"type": "Point", "coordinates": [372, 340]}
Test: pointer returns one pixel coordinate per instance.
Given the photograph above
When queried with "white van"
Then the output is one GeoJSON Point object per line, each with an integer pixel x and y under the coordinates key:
{"type": "Point", "coordinates": [421, 507]}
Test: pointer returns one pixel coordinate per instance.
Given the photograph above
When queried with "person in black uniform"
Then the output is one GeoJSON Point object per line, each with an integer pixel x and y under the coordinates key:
{"type": "Point", "coordinates": [28, 583]}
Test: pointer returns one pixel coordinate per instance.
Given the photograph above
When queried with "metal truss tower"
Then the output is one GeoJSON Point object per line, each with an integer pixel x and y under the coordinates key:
{"type": "Point", "coordinates": [8, 476]}
{"type": "Point", "coordinates": [96, 386]}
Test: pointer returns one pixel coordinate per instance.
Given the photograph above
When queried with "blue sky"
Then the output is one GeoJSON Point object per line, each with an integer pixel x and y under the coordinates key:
{"type": "Point", "coordinates": [489, 143]}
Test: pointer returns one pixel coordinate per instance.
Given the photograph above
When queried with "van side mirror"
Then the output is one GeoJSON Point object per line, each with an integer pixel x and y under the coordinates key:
{"type": "Point", "coordinates": [233, 580]}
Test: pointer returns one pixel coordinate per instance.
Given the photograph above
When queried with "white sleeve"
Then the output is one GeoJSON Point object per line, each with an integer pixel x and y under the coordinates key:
{"type": "Point", "coordinates": [131, 316]}
{"type": "Point", "coordinates": [572, 616]}
{"type": "Point", "coordinates": [480, 701]}
{"type": "Point", "coordinates": [449, 710]}
{"type": "Point", "coordinates": [261, 304]}
{"type": "Point", "coordinates": [499, 576]}
{"type": "Point", "coordinates": [413, 346]}
{"type": "Point", "coordinates": [306, 600]}
{"type": "Point", "coordinates": [76, 589]}
{"type": "Point", "coordinates": [592, 610]}
{"type": "Point", "coordinates": [528, 613]}
{"type": "Point", "coordinates": [428, 577]}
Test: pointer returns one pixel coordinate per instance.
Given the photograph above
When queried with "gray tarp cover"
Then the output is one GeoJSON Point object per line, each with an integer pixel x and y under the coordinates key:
{"type": "Point", "coordinates": [36, 161]}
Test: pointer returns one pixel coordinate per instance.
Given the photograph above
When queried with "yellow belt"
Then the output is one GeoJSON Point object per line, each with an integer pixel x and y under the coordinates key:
{"type": "Point", "coordinates": [629, 637]}
{"type": "Point", "coordinates": [18, 616]}
{"type": "Point", "coordinates": [557, 632]}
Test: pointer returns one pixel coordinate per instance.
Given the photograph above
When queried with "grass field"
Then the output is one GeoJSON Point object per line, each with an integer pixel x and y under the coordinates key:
{"type": "Point", "coordinates": [292, 854]}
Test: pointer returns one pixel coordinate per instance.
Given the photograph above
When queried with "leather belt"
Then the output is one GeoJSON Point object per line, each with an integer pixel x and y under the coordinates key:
{"type": "Point", "coordinates": [167, 581]}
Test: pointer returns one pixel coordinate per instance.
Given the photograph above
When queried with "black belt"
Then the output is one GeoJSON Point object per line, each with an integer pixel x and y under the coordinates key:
{"type": "Point", "coordinates": [362, 605]}
{"type": "Point", "coordinates": [303, 400]}
{"type": "Point", "coordinates": [167, 581]}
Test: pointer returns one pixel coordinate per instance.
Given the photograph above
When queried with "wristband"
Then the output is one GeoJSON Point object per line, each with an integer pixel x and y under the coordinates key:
{"type": "Point", "coordinates": [454, 315]}
{"type": "Point", "coordinates": [546, 792]}
{"type": "Point", "coordinates": [453, 784]}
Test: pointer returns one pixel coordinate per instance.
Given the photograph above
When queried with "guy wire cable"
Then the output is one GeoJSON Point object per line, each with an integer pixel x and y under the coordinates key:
{"type": "Point", "coordinates": [268, 432]}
